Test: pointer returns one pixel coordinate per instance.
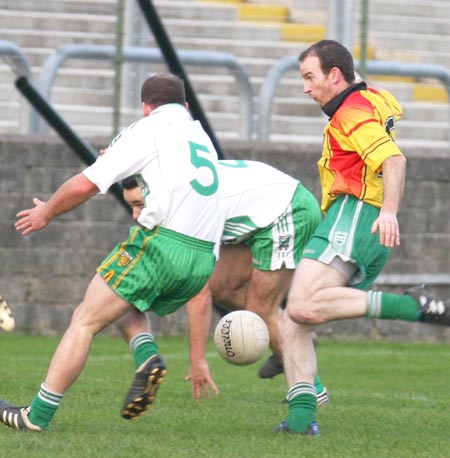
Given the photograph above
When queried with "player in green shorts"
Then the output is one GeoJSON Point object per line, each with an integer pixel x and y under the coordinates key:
{"type": "Point", "coordinates": [256, 201]}
{"type": "Point", "coordinates": [362, 173]}
{"type": "Point", "coordinates": [261, 244]}
{"type": "Point", "coordinates": [175, 162]}
{"type": "Point", "coordinates": [257, 258]}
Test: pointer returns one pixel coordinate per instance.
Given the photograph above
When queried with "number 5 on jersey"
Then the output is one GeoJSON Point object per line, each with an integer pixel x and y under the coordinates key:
{"type": "Point", "coordinates": [199, 161]}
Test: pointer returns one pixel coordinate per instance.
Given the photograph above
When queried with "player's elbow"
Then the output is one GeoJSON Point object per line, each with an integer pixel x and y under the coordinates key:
{"type": "Point", "coordinates": [85, 186]}
{"type": "Point", "coordinates": [398, 160]}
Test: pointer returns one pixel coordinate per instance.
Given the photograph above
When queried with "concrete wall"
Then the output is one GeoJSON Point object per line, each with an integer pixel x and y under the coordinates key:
{"type": "Point", "coordinates": [43, 276]}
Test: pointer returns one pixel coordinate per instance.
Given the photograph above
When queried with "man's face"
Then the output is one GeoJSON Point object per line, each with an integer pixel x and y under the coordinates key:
{"type": "Point", "coordinates": [134, 199]}
{"type": "Point", "coordinates": [316, 84]}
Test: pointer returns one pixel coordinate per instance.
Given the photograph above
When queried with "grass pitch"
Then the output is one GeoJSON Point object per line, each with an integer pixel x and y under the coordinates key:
{"type": "Point", "coordinates": [387, 400]}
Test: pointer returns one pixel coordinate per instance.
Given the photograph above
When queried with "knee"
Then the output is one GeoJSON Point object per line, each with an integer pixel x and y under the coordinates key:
{"type": "Point", "coordinates": [77, 315]}
{"type": "Point", "coordinates": [219, 295]}
{"type": "Point", "coordinates": [303, 314]}
{"type": "Point", "coordinates": [225, 292]}
{"type": "Point", "coordinates": [82, 321]}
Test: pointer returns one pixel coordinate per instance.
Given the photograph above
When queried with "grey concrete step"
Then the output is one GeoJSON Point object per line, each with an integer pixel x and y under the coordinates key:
{"type": "Point", "coordinates": [439, 25]}
{"type": "Point", "coordinates": [9, 109]}
{"type": "Point", "coordinates": [65, 22]}
{"type": "Point", "coordinates": [84, 91]}
{"type": "Point", "coordinates": [37, 56]}
{"type": "Point", "coordinates": [58, 6]}
{"type": "Point", "coordinates": [426, 112]}
{"type": "Point", "coordinates": [98, 121]}
{"type": "Point", "coordinates": [185, 9]}
{"type": "Point", "coordinates": [265, 49]}
{"type": "Point", "coordinates": [409, 40]}
{"type": "Point", "coordinates": [417, 57]}
{"type": "Point", "coordinates": [53, 39]}
{"type": "Point", "coordinates": [106, 24]}
{"type": "Point", "coordinates": [423, 131]}
{"type": "Point", "coordinates": [95, 88]}
{"type": "Point", "coordinates": [186, 28]}
{"type": "Point", "coordinates": [411, 8]}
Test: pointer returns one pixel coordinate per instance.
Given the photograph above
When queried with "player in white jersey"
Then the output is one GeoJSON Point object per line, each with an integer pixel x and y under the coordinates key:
{"type": "Point", "coordinates": [269, 216]}
{"type": "Point", "coordinates": [176, 165]}
{"type": "Point", "coordinates": [253, 196]}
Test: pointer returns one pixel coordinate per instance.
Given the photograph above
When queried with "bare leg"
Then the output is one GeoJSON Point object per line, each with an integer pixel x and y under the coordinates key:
{"type": "Point", "coordinates": [100, 307]}
{"type": "Point", "coordinates": [265, 291]}
{"type": "Point", "coordinates": [300, 365]}
{"type": "Point", "coordinates": [236, 285]}
{"type": "Point", "coordinates": [232, 272]}
{"type": "Point", "coordinates": [313, 299]}
{"type": "Point", "coordinates": [133, 323]}
{"type": "Point", "coordinates": [309, 303]}
{"type": "Point", "coordinates": [318, 295]}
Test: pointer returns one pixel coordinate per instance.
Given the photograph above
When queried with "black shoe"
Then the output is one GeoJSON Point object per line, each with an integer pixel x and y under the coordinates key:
{"type": "Point", "coordinates": [312, 430]}
{"type": "Point", "coordinates": [431, 310]}
{"type": "Point", "coordinates": [221, 309]}
{"type": "Point", "coordinates": [16, 417]}
{"type": "Point", "coordinates": [145, 385]}
{"type": "Point", "coordinates": [271, 367]}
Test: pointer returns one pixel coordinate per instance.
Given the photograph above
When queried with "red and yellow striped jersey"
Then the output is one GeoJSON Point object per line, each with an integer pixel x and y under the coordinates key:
{"type": "Point", "coordinates": [358, 138]}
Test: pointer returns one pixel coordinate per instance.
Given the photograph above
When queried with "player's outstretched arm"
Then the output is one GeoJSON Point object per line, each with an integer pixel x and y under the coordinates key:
{"type": "Point", "coordinates": [70, 195]}
{"type": "Point", "coordinates": [199, 310]}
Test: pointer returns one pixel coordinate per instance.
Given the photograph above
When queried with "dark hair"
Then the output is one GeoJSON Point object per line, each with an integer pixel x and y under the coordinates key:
{"type": "Point", "coordinates": [129, 182]}
{"type": "Point", "coordinates": [163, 88]}
{"type": "Point", "coordinates": [332, 54]}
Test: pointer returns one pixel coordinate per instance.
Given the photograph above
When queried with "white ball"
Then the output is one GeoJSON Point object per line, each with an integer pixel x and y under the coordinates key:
{"type": "Point", "coordinates": [241, 337]}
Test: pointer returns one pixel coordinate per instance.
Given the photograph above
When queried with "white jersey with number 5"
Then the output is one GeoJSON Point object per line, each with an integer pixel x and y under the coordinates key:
{"type": "Point", "coordinates": [252, 196]}
{"type": "Point", "coordinates": [176, 166]}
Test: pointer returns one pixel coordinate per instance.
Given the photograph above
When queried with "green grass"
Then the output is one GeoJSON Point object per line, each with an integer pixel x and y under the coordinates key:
{"type": "Point", "coordinates": [387, 400]}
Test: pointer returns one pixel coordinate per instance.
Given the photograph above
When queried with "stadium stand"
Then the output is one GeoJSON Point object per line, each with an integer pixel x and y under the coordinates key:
{"type": "Point", "coordinates": [258, 34]}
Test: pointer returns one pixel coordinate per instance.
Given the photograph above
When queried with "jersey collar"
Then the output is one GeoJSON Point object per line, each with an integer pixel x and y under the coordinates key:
{"type": "Point", "coordinates": [331, 107]}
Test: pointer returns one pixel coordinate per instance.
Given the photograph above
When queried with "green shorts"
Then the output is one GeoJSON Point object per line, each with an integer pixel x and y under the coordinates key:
{"type": "Point", "coordinates": [159, 269]}
{"type": "Point", "coordinates": [281, 244]}
{"type": "Point", "coordinates": [344, 240]}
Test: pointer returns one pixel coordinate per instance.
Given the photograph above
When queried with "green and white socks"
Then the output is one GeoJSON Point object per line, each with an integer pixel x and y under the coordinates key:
{"type": "Point", "coordinates": [302, 406]}
{"type": "Point", "coordinates": [143, 346]}
{"type": "Point", "coordinates": [46, 402]}
{"type": "Point", "coordinates": [44, 406]}
{"type": "Point", "coordinates": [392, 306]}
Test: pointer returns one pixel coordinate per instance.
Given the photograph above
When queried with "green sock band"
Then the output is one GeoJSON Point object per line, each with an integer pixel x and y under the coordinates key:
{"type": "Point", "coordinates": [43, 407]}
{"type": "Point", "coordinates": [318, 384]}
{"type": "Point", "coordinates": [143, 346]}
{"type": "Point", "coordinates": [302, 407]}
{"type": "Point", "coordinates": [391, 306]}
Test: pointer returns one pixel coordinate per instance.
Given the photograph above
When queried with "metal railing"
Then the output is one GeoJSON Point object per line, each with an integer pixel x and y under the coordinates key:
{"type": "Point", "coordinates": [20, 65]}
{"type": "Point", "coordinates": [146, 55]}
{"type": "Point", "coordinates": [280, 68]}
